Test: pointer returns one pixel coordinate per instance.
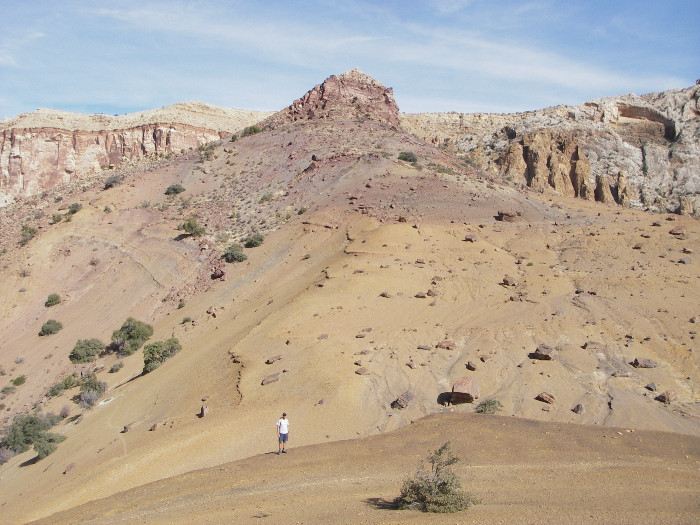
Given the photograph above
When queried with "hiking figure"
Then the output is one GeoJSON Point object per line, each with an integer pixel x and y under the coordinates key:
{"type": "Point", "coordinates": [282, 433]}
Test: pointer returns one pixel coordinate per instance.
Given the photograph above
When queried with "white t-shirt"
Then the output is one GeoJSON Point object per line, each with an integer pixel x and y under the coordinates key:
{"type": "Point", "coordinates": [283, 424]}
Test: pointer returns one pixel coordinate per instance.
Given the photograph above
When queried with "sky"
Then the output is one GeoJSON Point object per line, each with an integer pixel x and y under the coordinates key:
{"type": "Point", "coordinates": [453, 55]}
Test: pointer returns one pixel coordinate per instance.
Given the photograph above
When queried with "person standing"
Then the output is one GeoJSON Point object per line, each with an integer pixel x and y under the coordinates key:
{"type": "Point", "coordinates": [282, 433]}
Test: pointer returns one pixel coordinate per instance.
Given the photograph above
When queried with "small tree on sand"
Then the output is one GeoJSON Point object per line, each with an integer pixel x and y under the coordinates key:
{"type": "Point", "coordinates": [437, 489]}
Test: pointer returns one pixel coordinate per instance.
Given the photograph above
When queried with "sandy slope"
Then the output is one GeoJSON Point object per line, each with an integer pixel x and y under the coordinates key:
{"type": "Point", "coordinates": [522, 471]}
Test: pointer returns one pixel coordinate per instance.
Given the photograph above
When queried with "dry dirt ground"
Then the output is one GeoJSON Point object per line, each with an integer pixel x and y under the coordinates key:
{"type": "Point", "coordinates": [339, 288]}
{"type": "Point", "coordinates": [521, 470]}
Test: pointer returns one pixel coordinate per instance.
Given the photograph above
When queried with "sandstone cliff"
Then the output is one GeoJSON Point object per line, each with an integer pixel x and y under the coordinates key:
{"type": "Point", "coordinates": [640, 151]}
{"type": "Point", "coordinates": [42, 149]}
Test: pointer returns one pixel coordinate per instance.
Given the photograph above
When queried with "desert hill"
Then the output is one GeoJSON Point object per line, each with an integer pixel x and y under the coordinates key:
{"type": "Point", "coordinates": [377, 276]}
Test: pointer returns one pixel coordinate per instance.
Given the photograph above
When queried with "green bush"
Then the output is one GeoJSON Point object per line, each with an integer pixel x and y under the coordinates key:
{"type": "Point", "coordinates": [56, 218]}
{"type": "Point", "coordinates": [26, 234]}
{"type": "Point", "coordinates": [234, 253]}
{"type": "Point", "coordinates": [130, 337]}
{"type": "Point", "coordinates": [437, 490]}
{"type": "Point", "coordinates": [32, 430]}
{"type": "Point", "coordinates": [50, 327]}
{"type": "Point", "coordinates": [408, 156]}
{"type": "Point", "coordinates": [186, 320]}
{"type": "Point", "coordinates": [302, 210]}
{"type": "Point", "coordinates": [174, 189]}
{"type": "Point", "coordinates": [85, 350]}
{"type": "Point", "coordinates": [90, 382]}
{"type": "Point", "coordinates": [74, 208]}
{"type": "Point", "coordinates": [250, 130]}
{"type": "Point", "coordinates": [192, 227]}
{"type": "Point", "coordinates": [266, 197]}
{"type": "Point", "coordinates": [156, 353]}
{"type": "Point", "coordinates": [19, 380]}
{"type": "Point", "coordinates": [112, 181]}
{"type": "Point", "coordinates": [490, 406]}
{"type": "Point", "coordinates": [116, 367]}
{"type": "Point", "coordinates": [254, 240]}
{"type": "Point", "coordinates": [52, 300]}
{"type": "Point", "coordinates": [63, 385]}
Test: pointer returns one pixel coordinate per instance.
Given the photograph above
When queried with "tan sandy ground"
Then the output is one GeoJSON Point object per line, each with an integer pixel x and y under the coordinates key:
{"type": "Point", "coordinates": [581, 278]}
{"type": "Point", "coordinates": [522, 471]}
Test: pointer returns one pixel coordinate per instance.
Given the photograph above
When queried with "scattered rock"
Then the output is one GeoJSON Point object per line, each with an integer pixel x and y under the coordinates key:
{"type": "Point", "coordinates": [507, 216]}
{"type": "Point", "coordinates": [543, 352]}
{"type": "Point", "coordinates": [203, 411]}
{"type": "Point", "coordinates": [470, 366]}
{"type": "Point", "coordinates": [270, 379]}
{"type": "Point", "coordinates": [620, 373]}
{"type": "Point", "coordinates": [578, 409]}
{"type": "Point", "coordinates": [432, 293]}
{"type": "Point", "coordinates": [545, 398]}
{"type": "Point", "coordinates": [465, 390]}
{"type": "Point", "coordinates": [470, 238]}
{"type": "Point", "coordinates": [358, 363]}
{"type": "Point", "coordinates": [651, 387]}
{"type": "Point", "coordinates": [155, 425]}
{"type": "Point", "coordinates": [323, 336]}
{"type": "Point", "coordinates": [126, 429]}
{"type": "Point", "coordinates": [218, 273]}
{"type": "Point", "coordinates": [484, 358]}
{"type": "Point", "coordinates": [446, 345]}
{"type": "Point", "coordinates": [362, 371]}
{"type": "Point", "coordinates": [509, 281]}
{"type": "Point", "coordinates": [644, 363]}
{"type": "Point", "coordinates": [694, 319]}
{"type": "Point", "coordinates": [420, 295]}
{"type": "Point", "coordinates": [385, 294]}
{"type": "Point", "coordinates": [425, 347]}
{"type": "Point", "coordinates": [360, 336]}
{"type": "Point", "coordinates": [271, 360]}
{"type": "Point", "coordinates": [321, 402]}
{"type": "Point", "coordinates": [667, 396]}
{"type": "Point", "coordinates": [679, 230]}
{"type": "Point", "coordinates": [402, 401]}
{"type": "Point", "coordinates": [411, 365]}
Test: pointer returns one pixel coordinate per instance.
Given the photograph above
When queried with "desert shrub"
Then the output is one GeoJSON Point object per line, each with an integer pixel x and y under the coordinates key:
{"type": "Point", "coordinates": [66, 383]}
{"type": "Point", "coordinates": [88, 399]}
{"type": "Point", "coordinates": [74, 208]}
{"type": "Point", "coordinates": [5, 455]}
{"type": "Point", "coordinates": [302, 210]}
{"type": "Point", "coordinates": [116, 367]}
{"type": "Point", "coordinates": [192, 227]}
{"type": "Point", "coordinates": [65, 412]}
{"type": "Point", "coordinates": [266, 197]}
{"type": "Point", "coordinates": [181, 304]}
{"type": "Point", "coordinates": [408, 156]}
{"type": "Point", "coordinates": [29, 430]}
{"type": "Point", "coordinates": [436, 490]}
{"type": "Point", "coordinates": [254, 240]}
{"type": "Point", "coordinates": [186, 320]}
{"type": "Point", "coordinates": [174, 189]}
{"type": "Point", "coordinates": [112, 181]}
{"type": "Point", "coordinates": [26, 234]}
{"type": "Point", "coordinates": [19, 380]}
{"type": "Point", "coordinates": [56, 218]}
{"type": "Point", "coordinates": [490, 406]}
{"type": "Point", "coordinates": [52, 300]}
{"type": "Point", "coordinates": [90, 382]}
{"type": "Point", "coordinates": [234, 253]}
{"type": "Point", "coordinates": [85, 350]}
{"type": "Point", "coordinates": [131, 336]}
{"type": "Point", "coordinates": [234, 138]}
{"type": "Point", "coordinates": [250, 130]}
{"type": "Point", "coordinates": [50, 327]}
{"type": "Point", "coordinates": [7, 390]}
{"type": "Point", "coordinates": [156, 353]}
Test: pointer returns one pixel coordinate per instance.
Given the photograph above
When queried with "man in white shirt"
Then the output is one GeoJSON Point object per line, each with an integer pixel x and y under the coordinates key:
{"type": "Point", "coordinates": [282, 433]}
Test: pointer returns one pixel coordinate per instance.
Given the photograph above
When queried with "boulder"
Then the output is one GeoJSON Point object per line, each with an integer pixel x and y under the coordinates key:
{"type": "Point", "coordinates": [446, 345]}
{"type": "Point", "coordinates": [362, 371]}
{"type": "Point", "coordinates": [641, 362]}
{"type": "Point", "coordinates": [545, 398]}
{"type": "Point", "coordinates": [506, 216]}
{"type": "Point", "coordinates": [578, 409]}
{"type": "Point", "coordinates": [203, 411]}
{"type": "Point", "coordinates": [270, 379]}
{"type": "Point", "coordinates": [667, 396]}
{"type": "Point", "coordinates": [271, 360]}
{"type": "Point", "coordinates": [543, 352]}
{"type": "Point", "coordinates": [465, 390]}
{"type": "Point", "coordinates": [509, 281]}
{"type": "Point", "coordinates": [402, 401]}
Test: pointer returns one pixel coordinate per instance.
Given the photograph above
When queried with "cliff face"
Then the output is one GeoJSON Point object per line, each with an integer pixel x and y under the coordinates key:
{"type": "Point", "coordinates": [46, 148]}
{"type": "Point", "coordinates": [641, 151]}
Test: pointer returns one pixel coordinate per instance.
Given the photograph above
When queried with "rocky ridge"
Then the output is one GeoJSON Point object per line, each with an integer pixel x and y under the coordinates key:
{"type": "Point", "coordinates": [639, 151]}
{"type": "Point", "coordinates": [43, 149]}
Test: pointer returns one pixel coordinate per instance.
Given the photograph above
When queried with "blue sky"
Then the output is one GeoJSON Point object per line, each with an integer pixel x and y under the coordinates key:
{"type": "Point", "coordinates": [452, 55]}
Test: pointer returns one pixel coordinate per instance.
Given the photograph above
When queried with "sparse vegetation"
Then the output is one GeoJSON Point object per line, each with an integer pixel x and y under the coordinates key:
{"type": "Point", "coordinates": [254, 240]}
{"type": "Point", "coordinates": [174, 189]}
{"type": "Point", "coordinates": [155, 354]}
{"type": "Point", "coordinates": [19, 380]}
{"type": "Point", "coordinates": [63, 385]}
{"type": "Point", "coordinates": [29, 430]}
{"type": "Point", "coordinates": [436, 490]}
{"type": "Point", "coordinates": [74, 208]}
{"type": "Point", "coordinates": [490, 406]}
{"type": "Point", "coordinates": [116, 367]}
{"type": "Point", "coordinates": [266, 197]}
{"type": "Point", "coordinates": [52, 300]}
{"type": "Point", "coordinates": [91, 389]}
{"type": "Point", "coordinates": [302, 210]}
{"type": "Point", "coordinates": [250, 130]}
{"type": "Point", "coordinates": [193, 228]}
{"type": "Point", "coordinates": [50, 327]}
{"type": "Point", "coordinates": [56, 218]}
{"type": "Point", "coordinates": [130, 337]}
{"type": "Point", "coordinates": [85, 350]}
{"type": "Point", "coordinates": [112, 181]}
{"type": "Point", "coordinates": [181, 304]}
{"type": "Point", "coordinates": [408, 156]}
{"type": "Point", "coordinates": [186, 320]}
{"type": "Point", "coordinates": [26, 234]}
{"type": "Point", "coordinates": [234, 253]}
